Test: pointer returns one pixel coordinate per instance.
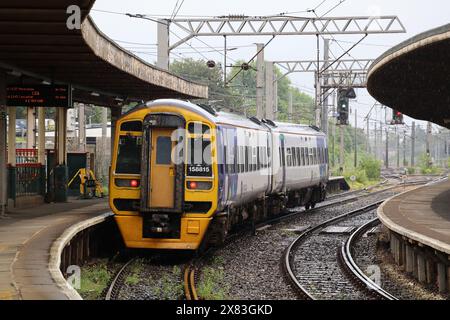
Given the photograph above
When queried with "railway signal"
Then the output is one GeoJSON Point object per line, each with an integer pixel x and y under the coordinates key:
{"type": "Point", "coordinates": [343, 107]}
{"type": "Point", "coordinates": [397, 117]}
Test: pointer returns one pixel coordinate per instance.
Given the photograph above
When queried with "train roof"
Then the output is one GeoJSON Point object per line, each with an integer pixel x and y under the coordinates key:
{"type": "Point", "coordinates": [227, 118]}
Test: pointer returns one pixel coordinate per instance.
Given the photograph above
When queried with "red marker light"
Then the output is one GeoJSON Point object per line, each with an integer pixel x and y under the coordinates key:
{"type": "Point", "coordinates": [134, 183]}
{"type": "Point", "coordinates": [192, 185]}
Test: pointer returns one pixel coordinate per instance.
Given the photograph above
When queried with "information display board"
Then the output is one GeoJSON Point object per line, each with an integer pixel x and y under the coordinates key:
{"type": "Point", "coordinates": [38, 96]}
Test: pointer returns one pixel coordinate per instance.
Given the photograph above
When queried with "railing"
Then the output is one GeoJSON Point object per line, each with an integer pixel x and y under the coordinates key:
{"type": "Point", "coordinates": [27, 177]}
{"type": "Point", "coordinates": [30, 179]}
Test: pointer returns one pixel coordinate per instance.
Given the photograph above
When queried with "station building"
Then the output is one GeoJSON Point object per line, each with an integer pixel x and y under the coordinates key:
{"type": "Point", "coordinates": [45, 64]}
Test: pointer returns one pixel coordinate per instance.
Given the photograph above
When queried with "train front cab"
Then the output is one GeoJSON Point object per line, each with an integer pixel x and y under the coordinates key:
{"type": "Point", "coordinates": [162, 202]}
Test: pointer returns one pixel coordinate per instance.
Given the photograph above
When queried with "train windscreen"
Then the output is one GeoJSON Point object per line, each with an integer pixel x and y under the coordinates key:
{"type": "Point", "coordinates": [129, 155]}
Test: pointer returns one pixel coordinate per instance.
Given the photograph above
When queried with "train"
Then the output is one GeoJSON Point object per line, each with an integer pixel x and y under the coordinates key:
{"type": "Point", "coordinates": [184, 175]}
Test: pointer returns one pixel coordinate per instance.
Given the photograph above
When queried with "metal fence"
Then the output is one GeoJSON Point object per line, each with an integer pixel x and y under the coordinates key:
{"type": "Point", "coordinates": [27, 178]}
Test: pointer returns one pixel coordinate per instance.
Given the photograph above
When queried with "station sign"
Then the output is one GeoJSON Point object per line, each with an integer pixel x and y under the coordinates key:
{"type": "Point", "coordinates": [38, 96]}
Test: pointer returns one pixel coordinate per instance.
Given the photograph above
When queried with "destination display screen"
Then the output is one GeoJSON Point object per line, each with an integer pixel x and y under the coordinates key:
{"type": "Point", "coordinates": [38, 96]}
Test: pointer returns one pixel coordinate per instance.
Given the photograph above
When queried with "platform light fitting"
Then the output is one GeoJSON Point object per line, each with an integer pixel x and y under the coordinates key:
{"type": "Point", "coordinates": [15, 73]}
{"type": "Point", "coordinates": [95, 94]}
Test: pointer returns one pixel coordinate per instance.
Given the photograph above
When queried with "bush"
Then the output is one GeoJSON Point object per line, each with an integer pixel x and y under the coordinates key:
{"type": "Point", "coordinates": [372, 168]}
{"type": "Point", "coordinates": [411, 170]}
{"type": "Point", "coordinates": [360, 175]}
{"type": "Point", "coordinates": [426, 165]}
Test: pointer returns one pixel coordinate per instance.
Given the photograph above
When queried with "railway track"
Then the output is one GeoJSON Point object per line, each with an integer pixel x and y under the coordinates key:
{"type": "Point", "coordinates": [318, 275]}
{"type": "Point", "coordinates": [117, 282]}
{"type": "Point", "coordinates": [310, 283]}
{"type": "Point", "coordinates": [192, 268]}
{"type": "Point", "coordinates": [354, 271]}
{"type": "Point", "coordinates": [190, 290]}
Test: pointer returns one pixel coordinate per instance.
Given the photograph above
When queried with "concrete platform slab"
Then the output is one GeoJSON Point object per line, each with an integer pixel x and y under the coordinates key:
{"type": "Point", "coordinates": [422, 215]}
{"type": "Point", "coordinates": [26, 239]}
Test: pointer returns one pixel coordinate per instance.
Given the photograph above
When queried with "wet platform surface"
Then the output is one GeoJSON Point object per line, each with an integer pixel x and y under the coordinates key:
{"type": "Point", "coordinates": [422, 215]}
{"type": "Point", "coordinates": [26, 237]}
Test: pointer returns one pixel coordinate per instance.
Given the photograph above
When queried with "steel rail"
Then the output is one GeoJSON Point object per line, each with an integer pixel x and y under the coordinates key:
{"type": "Point", "coordinates": [354, 270]}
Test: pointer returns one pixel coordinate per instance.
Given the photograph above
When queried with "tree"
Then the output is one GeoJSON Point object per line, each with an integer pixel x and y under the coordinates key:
{"type": "Point", "coordinates": [198, 71]}
{"type": "Point", "coordinates": [244, 84]}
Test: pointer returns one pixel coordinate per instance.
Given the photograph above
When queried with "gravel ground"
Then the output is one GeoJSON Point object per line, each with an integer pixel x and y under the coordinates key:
{"type": "Point", "coordinates": [400, 284]}
{"type": "Point", "coordinates": [317, 267]}
{"type": "Point", "coordinates": [251, 264]}
{"type": "Point", "coordinates": [371, 256]}
{"type": "Point", "coordinates": [154, 278]}
{"type": "Point", "coordinates": [249, 267]}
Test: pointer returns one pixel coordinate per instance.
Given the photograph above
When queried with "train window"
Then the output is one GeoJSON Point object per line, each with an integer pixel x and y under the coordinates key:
{"type": "Point", "coordinates": [258, 158]}
{"type": "Point", "coordinates": [294, 157]}
{"type": "Point", "coordinates": [297, 153]}
{"type": "Point", "coordinates": [131, 126]}
{"type": "Point", "coordinates": [240, 160]}
{"type": "Point", "coordinates": [198, 128]}
{"type": "Point", "coordinates": [225, 160]}
{"type": "Point", "coordinates": [199, 158]}
{"type": "Point", "coordinates": [245, 159]}
{"type": "Point", "coordinates": [302, 156]}
{"type": "Point", "coordinates": [319, 155]}
{"type": "Point", "coordinates": [305, 156]}
{"type": "Point", "coordinates": [250, 158]}
{"type": "Point", "coordinates": [163, 150]}
{"type": "Point", "coordinates": [129, 155]}
{"type": "Point", "coordinates": [289, 157]}
{"type": "Point", "coordinates": [255, 159]}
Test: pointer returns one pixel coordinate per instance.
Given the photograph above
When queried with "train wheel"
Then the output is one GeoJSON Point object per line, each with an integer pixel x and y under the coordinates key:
{"type": "Point", "coordinates": [313, 205]}
{"type": "Point", "coordinates": [307, 206]}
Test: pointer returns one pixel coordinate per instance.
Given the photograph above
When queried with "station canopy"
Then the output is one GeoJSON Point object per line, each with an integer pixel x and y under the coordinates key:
{"type": "Point", "coordinates": [414, 77]}
{"type": "Point", "coordinates": [36, 46]}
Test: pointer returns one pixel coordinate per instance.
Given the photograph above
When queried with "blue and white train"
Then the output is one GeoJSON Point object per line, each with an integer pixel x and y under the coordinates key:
{"type": "Point", "coordinates": [250, 170]}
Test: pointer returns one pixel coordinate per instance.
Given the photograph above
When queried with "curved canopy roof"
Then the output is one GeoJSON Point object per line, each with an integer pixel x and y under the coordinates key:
{"type": "Point", "coordinates": [36, 44]}
{"type": "Point", "coordinates": [414, 77]}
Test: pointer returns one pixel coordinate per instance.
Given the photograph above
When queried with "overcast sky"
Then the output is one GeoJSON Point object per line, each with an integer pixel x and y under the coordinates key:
{"type": "Point", "coordinates": [416, 15]}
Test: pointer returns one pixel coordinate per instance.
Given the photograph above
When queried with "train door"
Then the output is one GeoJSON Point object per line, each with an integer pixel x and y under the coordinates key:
{"type": "Point", "coordinates": [162, 172]}
{"type": "Point", "coordinates": [283, 159]}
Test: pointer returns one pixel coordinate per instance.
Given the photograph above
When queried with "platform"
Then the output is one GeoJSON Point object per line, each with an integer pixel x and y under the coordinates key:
{"type": "Point", "coordinates": [422, 214]}
{"type": "Point", "coordinates": [418, 225]}
{"type": "Point", "coordinates": [26, 239]}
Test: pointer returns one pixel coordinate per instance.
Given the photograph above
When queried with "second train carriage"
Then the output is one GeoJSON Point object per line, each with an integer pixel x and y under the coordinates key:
{"type": "Point", "coordinates": [167, 195]}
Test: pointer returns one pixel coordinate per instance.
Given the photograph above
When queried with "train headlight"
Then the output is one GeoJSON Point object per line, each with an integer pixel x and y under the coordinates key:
{"type": "Point", "coordinates": [199, 185]}
{"type": "Point", "coordinates": [127, 183]}
{"type": "Point", "coordinates": [134, 183]}
{"type": "Point", "coordinates": [192, 185]}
